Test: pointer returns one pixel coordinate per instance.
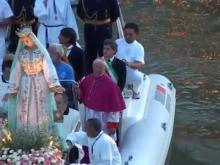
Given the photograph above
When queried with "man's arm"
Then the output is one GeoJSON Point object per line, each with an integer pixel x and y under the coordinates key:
{"type": "Point", "coordinates": [135, 65]}
{"type": "Point", "coordinates": [7, 14]}
{"type": "Point", "coordinates": [77, 137]}
{"type": "Point", "coordinates": [114, 10]}
{"type": "Point", "coordinates": [6, 21]}
{"type": "Point", "coordinates": [139, 59]}
{"type": "Point", "coordinates": [120, 69]}
{"type": "Point", "coordinates": [79, 10]}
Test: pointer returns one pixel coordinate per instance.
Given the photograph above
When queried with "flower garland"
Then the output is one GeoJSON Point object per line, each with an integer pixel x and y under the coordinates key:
{"type": "Point", "coordinates": [45, 156]}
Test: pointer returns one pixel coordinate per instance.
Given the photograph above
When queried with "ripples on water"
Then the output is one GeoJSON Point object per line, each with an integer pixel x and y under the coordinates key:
{"type": "Point", "coordinates": [184, 45]}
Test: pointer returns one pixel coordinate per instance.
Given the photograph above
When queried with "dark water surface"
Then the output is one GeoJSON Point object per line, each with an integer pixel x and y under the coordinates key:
{"type": "Point", "coordinates": [182, 42]}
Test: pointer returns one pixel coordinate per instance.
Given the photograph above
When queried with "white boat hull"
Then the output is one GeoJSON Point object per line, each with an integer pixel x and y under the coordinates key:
{"type": "Point", "coordinates": [147, 123]}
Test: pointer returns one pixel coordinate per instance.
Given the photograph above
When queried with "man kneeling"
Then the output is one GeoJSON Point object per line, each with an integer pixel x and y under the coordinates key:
{"type": "Point", "coordinates": [102, 148]}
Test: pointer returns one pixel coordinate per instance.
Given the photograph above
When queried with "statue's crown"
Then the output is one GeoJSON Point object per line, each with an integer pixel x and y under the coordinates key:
{"type": "Point", "coordinates": [23, 31]}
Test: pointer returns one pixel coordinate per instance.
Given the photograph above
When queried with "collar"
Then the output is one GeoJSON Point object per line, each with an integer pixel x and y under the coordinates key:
{"type": "Point", "coordinates": [111, 59]}
{"type": "Point", "coordinates": [68, 50]}
{"type": "Point", "coordinates": [96, 139]}
{"type": "Point", "coordinates": [69, 47]}
{"type": "Point", "coordinates": [100, 133]}
{"type": "Point", "coordinates": [66, 112]}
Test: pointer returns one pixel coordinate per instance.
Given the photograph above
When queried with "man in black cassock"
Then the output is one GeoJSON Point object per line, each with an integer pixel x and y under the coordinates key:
{"type": "Point", "coordinates": [98, 16]}
{"type": "Point", "coordinates": [24, 15]}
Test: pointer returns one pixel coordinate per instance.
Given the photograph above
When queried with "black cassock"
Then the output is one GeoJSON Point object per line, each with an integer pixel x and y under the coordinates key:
{"type": "Point", "coordinates": [24, 15]}
{"type": "Point", "coordinates": [98, 16]}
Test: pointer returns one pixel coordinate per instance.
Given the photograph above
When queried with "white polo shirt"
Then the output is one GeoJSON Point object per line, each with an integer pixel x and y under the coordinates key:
{"type": "Point", "coordinates": [5, 12]}
{"type": "Point", "coordinates": [130, 52]}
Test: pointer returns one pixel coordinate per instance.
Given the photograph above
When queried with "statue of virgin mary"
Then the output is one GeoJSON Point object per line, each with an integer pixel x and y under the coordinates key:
{"type": "Point", "coordinates": [33, 80]}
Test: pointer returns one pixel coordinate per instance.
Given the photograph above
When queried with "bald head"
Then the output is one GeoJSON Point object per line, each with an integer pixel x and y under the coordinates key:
{"type": "Point", "coordinates": [98, 67]}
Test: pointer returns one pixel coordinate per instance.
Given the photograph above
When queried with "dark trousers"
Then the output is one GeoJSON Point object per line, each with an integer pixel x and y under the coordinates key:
{"type": "Point", "coordinates": [94, 37]}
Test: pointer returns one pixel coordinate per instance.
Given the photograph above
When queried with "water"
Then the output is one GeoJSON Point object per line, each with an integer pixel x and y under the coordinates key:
{"type": "Point", "coordinates": [183, 43]}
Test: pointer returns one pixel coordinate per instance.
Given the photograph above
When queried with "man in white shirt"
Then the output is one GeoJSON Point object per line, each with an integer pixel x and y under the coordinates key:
{"type": "Point", "coordinates": [132, 52]}
{"type": "Point", "coordinates": [5, 19]}
{"type": "Point", "coordinates": [102, 148]}
{"type": "Point", "coordinates": [53, 15]}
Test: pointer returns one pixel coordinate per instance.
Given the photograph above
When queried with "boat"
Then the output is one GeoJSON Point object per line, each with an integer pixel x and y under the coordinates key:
{"type": "Point", "coordinates": [147, 123]}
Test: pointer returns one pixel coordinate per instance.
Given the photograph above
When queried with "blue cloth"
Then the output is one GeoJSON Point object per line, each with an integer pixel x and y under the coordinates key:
{"type": "Point", "coordinates": [64, 72]}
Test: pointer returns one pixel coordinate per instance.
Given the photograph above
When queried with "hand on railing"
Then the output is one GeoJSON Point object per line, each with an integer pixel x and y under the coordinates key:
{"type": "Point", "coordinates": [57, 89]}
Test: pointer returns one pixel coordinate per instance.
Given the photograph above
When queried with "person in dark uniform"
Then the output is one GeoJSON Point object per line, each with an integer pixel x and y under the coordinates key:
{"type": "Point", "coordinates": [73, 53]}
{"type": "Point", "coordinates": [24, 15]}
{"type": "Point", "coordinates": [116, 68]}
{"type": "Point", "coordinates": [98, 16]}
{"type": "Point", "coordinates": [6, 67]}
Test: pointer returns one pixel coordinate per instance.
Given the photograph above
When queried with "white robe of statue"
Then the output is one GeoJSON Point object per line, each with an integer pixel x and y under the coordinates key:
{"type": "Point", "coordinates": [32, 75]}
{"type": "Point", "coordinates": [53, 17]}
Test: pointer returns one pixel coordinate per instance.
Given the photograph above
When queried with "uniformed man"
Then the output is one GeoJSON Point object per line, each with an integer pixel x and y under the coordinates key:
{"type": "Point", "coordinates": [6, 17]}
{"type": "Point", "coordinates": [24, 15]}
{"type": "Point", "coordinates": [98, 16]}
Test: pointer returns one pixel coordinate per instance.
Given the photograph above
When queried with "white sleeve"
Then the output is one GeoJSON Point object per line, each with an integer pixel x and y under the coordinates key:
{"type": "Point", "coordinates": [78, 137]}
{"type": "Point", "coordinates": [75, 120]}
{"type": "Point", "coordinates": [140, 54]}
{"type": "Point", "coordinates": [40, 10]}
{"type": "Point", "coordinates": [70, 18]}
{"type": "Point", "coordinates": [7, 12]}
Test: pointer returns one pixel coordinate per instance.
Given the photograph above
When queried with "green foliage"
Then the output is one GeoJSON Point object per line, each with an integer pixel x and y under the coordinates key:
{"type": "Point", "coordinates": [26, 141]}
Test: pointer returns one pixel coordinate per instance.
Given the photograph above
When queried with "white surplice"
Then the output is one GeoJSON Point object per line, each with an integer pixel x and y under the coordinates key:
{"type": "Point", "coordinates": [69, 124]}
{"type": "Point", "coordinates": [102, 149]}
{"type": "Point", "coordinates": [54, 17]}
{"type": "Point", "coordinates": [31, 77]}
{"type": "Point", "coordinates": [88, 113]}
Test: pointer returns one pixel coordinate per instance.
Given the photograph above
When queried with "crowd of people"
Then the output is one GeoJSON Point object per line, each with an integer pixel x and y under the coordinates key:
{"type": "Point", "coordinates": [47, 62]}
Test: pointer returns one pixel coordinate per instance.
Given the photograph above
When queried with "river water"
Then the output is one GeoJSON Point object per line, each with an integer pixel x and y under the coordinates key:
{"type": "Point", "coordinates": [184, 45]}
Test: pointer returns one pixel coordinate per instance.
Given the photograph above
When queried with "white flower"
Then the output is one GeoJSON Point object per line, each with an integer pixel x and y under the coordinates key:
{"type": "Point", "coordinates": [25, 157]}
{"type": "Point", "coordinates": [40, 159]}
{"type": "Point", "coordinates": [18, 163]}
{"type": "Point", "coordinates": [20, 151]}
{"type": "Point", "coordinates": [4, 157]}
{"type": "Point", "coordinates": [8, 160]}
{"type": "Point", "coordinates": [5, 152]}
